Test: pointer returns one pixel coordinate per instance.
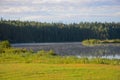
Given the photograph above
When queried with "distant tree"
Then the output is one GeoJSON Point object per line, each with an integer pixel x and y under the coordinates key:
{"type": "Point", "coordinates": [29, 31]}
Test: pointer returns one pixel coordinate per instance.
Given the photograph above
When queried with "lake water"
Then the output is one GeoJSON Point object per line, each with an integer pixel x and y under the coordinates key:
{"type": "Point", "coordinates": [76, 49]}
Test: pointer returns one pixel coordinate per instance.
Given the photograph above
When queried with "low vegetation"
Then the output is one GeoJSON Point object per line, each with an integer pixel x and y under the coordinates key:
{"type": "Point", "coordinates": [111, 41]}
{"type": "Point", "coordinates": [5, 44]}
{"type": "Point", "coordinates": [14, 55]}
{"type": "Point", "coordinates": [91, 42]}
{"type": "Point", "coordinates": [96, 41]}
{"type": "Point", "coordinates": [47, 58]}
{"type": "Point", "coordinates": [32, 71]}
{"type": "Point", "coordinates": [21, 64]}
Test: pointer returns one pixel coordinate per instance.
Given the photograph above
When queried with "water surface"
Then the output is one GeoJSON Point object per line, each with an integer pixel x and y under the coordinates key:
{"type": "Point", "coordinates": [76, 49]}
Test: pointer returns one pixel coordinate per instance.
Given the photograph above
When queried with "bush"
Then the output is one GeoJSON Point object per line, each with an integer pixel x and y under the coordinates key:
{"type": "Point", "coordinates": [51, 52]}
{"type": "Point", "coordinates": [5, 44]}
{"type": "Point", "coordinates": [46, 53]}
{"type": "Point", "coordinates": [91, 42]}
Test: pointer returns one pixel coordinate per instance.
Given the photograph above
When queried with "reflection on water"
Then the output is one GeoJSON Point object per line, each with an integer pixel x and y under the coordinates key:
{"type": "Point", "coordinates": [76, 48]}
{"type": "Point", "coordinates": [103, 56]}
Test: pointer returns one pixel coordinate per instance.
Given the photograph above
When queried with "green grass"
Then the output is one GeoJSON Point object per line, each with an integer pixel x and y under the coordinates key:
{"type": "Point", "coordinates": [92, 42]}
{"type": "Point", "coordinates": [15, 55]}
{"type": "Point", "coordinates": [24, 71]}
{"type": "Point", "coordinates": [49, 57]}
{"type": "Point", "coordinates": [20, 64]}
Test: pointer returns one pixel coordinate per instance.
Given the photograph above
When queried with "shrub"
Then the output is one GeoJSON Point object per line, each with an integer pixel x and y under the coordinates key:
{"type": "Point", "coordinates": [91, 42]}
{"type": "Point", "coordinates": [40, 53]}
{"type": "Point", "coordinates": [51, 52]}
{"type": "Point", "coordinates": [5, 44]}
{"type": "Point", "coordinates": [45, 53]}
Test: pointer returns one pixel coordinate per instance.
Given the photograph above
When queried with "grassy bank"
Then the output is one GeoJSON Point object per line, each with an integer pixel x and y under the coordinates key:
{"type": "Point", "coordinates": [47, 58]}
{"type": "Point", "coordinates": [14, 55]}
{"type": "Point", "coordinates": [96, 41]}
{"type": "Point", "coordinates": [24, 71]}
{"type": "Point", "coordinates": [21, 64]}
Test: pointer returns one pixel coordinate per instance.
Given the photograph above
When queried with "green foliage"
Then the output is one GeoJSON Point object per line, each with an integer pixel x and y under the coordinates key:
{"type": "Point", "coordinates": [14, 51]}
{"type": "Point", "coordinates": [45, 53]}
{"type": "Point", "coordinates": [1, 50]}
{"type": "Point", "coordinates": [96, 41]}
{"type": "Point", "coordinates": [14, 55]}
{"type": "Point", "coordinates": [20, 56]}
{"type": "Point", "coordinates": [24, 32]}
{"type": "Point", "coordinates": [5, 44]}
{"type": "Point", "coordinates": [51, 52]}
{"type": "Point", "coordinates": [41, 53]}
{"type": "Point", "coordinates": [91, 42]}
{"type": "Point", "coordinates": [111, 41]}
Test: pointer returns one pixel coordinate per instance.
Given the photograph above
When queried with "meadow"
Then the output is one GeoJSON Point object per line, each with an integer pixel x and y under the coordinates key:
{"type": "Point", "coordinates": [36, 71]}
{"type": "Point", "coordinates": [45, 65]}
{"type": "Point", "coordinates": [21, 64]}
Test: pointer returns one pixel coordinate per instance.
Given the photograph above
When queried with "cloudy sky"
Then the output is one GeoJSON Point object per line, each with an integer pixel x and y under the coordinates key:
{"type": "Point", "coordinates": [66, 11]}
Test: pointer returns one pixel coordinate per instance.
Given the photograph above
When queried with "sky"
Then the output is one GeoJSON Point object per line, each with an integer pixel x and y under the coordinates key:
{"type": "Point", "coordinates": [66, 11]}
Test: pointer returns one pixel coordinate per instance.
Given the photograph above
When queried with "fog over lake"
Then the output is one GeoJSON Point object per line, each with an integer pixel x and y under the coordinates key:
{"type": "Point", "coordinates": [76, 49]}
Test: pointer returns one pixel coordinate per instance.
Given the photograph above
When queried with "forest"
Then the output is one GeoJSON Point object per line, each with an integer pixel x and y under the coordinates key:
{"type": "Point", "coordinates": [17, 31]}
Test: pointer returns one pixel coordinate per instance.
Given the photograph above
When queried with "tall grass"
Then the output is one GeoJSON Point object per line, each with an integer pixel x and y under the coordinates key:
{"type": "Point", "coordinates": [13, 55]}
{"type": "Point", "coordinates": [46, 65]}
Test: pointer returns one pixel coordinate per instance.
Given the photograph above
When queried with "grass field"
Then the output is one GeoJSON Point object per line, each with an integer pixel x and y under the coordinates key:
{"type": "Point", "coordinates": [37, 71]}
{"type": "Point", "coordinates": [20, 64]}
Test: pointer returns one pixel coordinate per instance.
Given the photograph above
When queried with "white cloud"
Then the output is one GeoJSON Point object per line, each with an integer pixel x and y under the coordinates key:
{"type": "Point", "coordinates": [59, 9]}
{"type": "Point", "coordinates": [116, 14]}
{"type": "Point", "coordinates": [20, 9]}
{"type": "Point", "coordinates": [13, 1]}
{"type": "Point", "coordinates": [67, 1]}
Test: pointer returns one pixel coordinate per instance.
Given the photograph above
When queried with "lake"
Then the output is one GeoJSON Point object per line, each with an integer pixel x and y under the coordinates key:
{"type": "Point", "coordinates": [75, 48]}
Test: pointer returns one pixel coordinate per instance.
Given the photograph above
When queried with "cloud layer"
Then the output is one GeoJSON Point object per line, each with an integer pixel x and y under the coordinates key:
{"type": "Point", "coordinates": [61, 10]}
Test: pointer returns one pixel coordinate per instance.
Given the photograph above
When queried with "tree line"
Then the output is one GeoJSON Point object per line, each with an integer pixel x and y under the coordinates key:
{"type": "Point", "coordinates": [30, 31]}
